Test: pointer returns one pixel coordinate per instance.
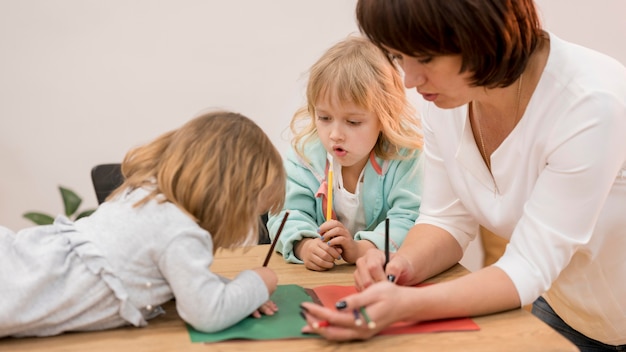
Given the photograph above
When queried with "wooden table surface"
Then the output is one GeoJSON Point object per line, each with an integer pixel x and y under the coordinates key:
{"type": "Point", "coordinates": [515, 330]}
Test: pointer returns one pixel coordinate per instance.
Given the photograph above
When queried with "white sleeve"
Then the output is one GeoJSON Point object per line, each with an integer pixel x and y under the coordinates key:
{"type": "Point", "coordinates": [441, 206]}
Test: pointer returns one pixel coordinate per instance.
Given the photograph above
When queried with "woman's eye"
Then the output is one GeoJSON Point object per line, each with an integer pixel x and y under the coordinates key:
{"type": "Point", "coordinates": [392, 56]}
{"type": "Point", "coordinates": [395, 57]}
{"type": "Point", "coordinates": [354, 123]}
{"type": "Point", "coordinates": [424, 59]}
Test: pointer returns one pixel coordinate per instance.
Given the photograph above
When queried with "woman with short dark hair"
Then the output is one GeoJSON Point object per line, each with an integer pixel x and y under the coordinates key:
{"type": "Point", "coordinates": [525, 134]}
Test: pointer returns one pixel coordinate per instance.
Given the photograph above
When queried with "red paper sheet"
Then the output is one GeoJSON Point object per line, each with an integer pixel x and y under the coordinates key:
{"type": "Point", "coordinates": [328, 295]}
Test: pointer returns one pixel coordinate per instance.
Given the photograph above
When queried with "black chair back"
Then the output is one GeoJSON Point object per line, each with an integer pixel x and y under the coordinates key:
{"type": "Point", "coordinates": [106, 178]}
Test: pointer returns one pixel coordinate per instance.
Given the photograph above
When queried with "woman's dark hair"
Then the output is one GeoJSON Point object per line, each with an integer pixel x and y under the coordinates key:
{"type": "Point", "coordinates": [495, 38]}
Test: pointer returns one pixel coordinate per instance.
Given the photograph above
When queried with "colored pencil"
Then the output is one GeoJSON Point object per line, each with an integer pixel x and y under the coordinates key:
{"type": "Point", "coordinates": [357, 318]}
{"type": "Point", "coordinates": [320, 324]}
{"type": "Point", "coordinates": [280, 229]}
{"type": "Point", "coordinates": [390, 278]}
{"type": "Point", "coordinates": [370, 323]}
{"type": "Point", "coordinates": [386, 242]}
{"type": "Point", "coordinates": [329, 193]}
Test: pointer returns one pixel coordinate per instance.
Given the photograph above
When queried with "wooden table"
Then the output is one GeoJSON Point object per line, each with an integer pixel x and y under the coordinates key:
{"type": "Point", "coordinates": [515, 330]}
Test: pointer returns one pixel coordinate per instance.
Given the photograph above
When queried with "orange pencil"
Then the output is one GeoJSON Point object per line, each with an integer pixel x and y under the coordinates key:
{"type": "Point", "coordinates": [329, 195]}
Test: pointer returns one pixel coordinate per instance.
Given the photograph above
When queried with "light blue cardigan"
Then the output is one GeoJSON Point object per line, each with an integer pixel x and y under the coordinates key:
{"type": "Point", "coordinates": [391, 188]}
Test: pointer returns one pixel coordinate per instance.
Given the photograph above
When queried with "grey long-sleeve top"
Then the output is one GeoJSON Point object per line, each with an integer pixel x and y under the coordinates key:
{"type": "Point", "coordinates": [145, 256]}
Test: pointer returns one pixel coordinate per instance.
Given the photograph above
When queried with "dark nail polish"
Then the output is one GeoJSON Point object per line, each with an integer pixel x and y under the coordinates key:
{"type": "Point", "coordinates": [302, 315]}
{"type": "Point", "coordinates": [304, 308]}
{"type": "Point", "coordinates": [391, 278]}
{"type": "Point", "coordinates": [341, 305]}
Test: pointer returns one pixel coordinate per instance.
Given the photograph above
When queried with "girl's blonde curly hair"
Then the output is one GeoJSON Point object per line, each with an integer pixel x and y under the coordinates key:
{"type": "Point", "coordinates": [220, 168]}
{"type": "Point", "coordinates": [357, 71]}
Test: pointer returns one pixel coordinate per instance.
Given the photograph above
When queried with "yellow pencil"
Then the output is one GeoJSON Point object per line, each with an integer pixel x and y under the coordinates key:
{"type": "Point", "coordinates": [329, 195]}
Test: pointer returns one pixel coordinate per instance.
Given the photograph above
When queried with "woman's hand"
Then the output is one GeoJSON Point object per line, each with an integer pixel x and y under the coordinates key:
{"type": "Point", "coordinates": [384, 302]}
{"type": "Point", "coordinates": [268, 308]}
{"type": "Point", "coordinates": [316, 254]}
{"type": "Point", "coordinates": [370, 269]}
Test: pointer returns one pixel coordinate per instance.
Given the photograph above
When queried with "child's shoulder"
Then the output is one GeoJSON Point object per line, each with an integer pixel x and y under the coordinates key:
{"type": "Point", "coordinates": [312, 154]}
{"type": "Point", "coordinates": [402, 156]}
{"type": "Point", "coordinates": [407, 161]}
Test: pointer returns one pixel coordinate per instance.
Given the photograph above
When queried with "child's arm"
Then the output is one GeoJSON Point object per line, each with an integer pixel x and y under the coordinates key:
{"type": "Point", "coordinates": [271, 281]}
{"type": "Point", "coordinates": [403, 187]}
{"type": "Point", "coordinates": [305, 212]}
{"type": "Point", "coordinates": [203, 299]}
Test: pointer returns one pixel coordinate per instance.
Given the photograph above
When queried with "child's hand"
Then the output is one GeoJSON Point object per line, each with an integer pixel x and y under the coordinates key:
{"type": "Point", "coordinates": [268, 308]}
{"type": "Point", "coordinates": [269, 277]}
{"type": "Point", "coordinates": [316, 254]}
{"type": "Point", "coordinates": [336, 235]}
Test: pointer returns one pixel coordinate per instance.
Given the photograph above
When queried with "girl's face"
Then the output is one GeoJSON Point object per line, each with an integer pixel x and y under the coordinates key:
{"type": "Point", "coordinates": [347, 131]}
{"type": "Point", "coordinates": [436, 78]}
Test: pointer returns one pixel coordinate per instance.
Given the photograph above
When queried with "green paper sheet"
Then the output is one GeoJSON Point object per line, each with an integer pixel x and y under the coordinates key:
{"type": "Point", "coordinates": [286, 323]}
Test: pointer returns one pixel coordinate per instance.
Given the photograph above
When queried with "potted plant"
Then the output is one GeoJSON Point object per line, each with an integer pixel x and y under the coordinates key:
{"type": "Point", "coordinates": [71, 203]}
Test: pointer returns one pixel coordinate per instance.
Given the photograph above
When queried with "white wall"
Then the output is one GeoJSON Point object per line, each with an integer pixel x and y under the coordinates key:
{"type": "Point", "coordinates": [82, 81]}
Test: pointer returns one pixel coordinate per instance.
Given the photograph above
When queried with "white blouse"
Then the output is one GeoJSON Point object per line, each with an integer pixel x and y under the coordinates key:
{"type": "Point", "coordinates": [558, 189]}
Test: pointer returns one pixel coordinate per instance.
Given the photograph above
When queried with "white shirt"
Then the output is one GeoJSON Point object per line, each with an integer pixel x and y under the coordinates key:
{"type": "Point", "coordinates": [561, 189]}
{"type": "Point", "coordinates": [348, 205]}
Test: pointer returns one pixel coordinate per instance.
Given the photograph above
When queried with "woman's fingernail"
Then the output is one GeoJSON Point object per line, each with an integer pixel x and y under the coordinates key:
{"type": "Point", "coordinates": [391, 278]}
{"type": "Point", "coordinates": [341, 305]}
{"type": "Point", "coordinates": [304, 308]}
{"type": "Point", "coordinates": [302, 315]}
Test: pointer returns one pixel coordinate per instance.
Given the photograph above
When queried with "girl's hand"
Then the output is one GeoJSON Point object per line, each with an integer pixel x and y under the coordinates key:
{"type": "Point", "coordinates": [269, 278]}
{"type": "Point", "coordinates": [316, 254]}
{"type": "Point", "coordinates": [268, 308]}
{"type": "Point", "coordinates": [384, 302]}
{"type": "Point", "coordinates": [369, 269]}
{"type": "Point", "coordinates": [335, 234]}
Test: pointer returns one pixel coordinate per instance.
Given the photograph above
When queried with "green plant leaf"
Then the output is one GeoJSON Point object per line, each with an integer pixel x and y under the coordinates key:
{"type": "Point", "coordinates": [71, 201]}
{"type": "Point", "coordinates": [85, 213]}
{"type": "Point", "coordinates": [39, 218]}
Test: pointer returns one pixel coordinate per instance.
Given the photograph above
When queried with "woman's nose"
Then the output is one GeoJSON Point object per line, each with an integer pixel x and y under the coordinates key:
{"type": "Point", "coordinates": [413, 76]}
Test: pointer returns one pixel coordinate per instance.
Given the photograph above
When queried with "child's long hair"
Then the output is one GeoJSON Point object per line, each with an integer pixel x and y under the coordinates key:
{"type": "Point", "coordinates": [357, 71]}
{"type": "Point", "coordinates": [217, 168]}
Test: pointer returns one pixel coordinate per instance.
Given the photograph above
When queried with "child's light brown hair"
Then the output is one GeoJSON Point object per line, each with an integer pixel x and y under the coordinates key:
{"type": "Point", "coordinates": [220, 168]}
{"type": "Point", "coordinates": [357, 71]}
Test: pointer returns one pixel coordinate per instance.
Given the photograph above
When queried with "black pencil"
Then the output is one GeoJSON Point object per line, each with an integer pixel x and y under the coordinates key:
{"type": "Point", "coordinates": [280, 229]}
{"type": "Point", "coordinates": [390, 278]}
{"type": "Point", "coordinates": [386, 242]}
